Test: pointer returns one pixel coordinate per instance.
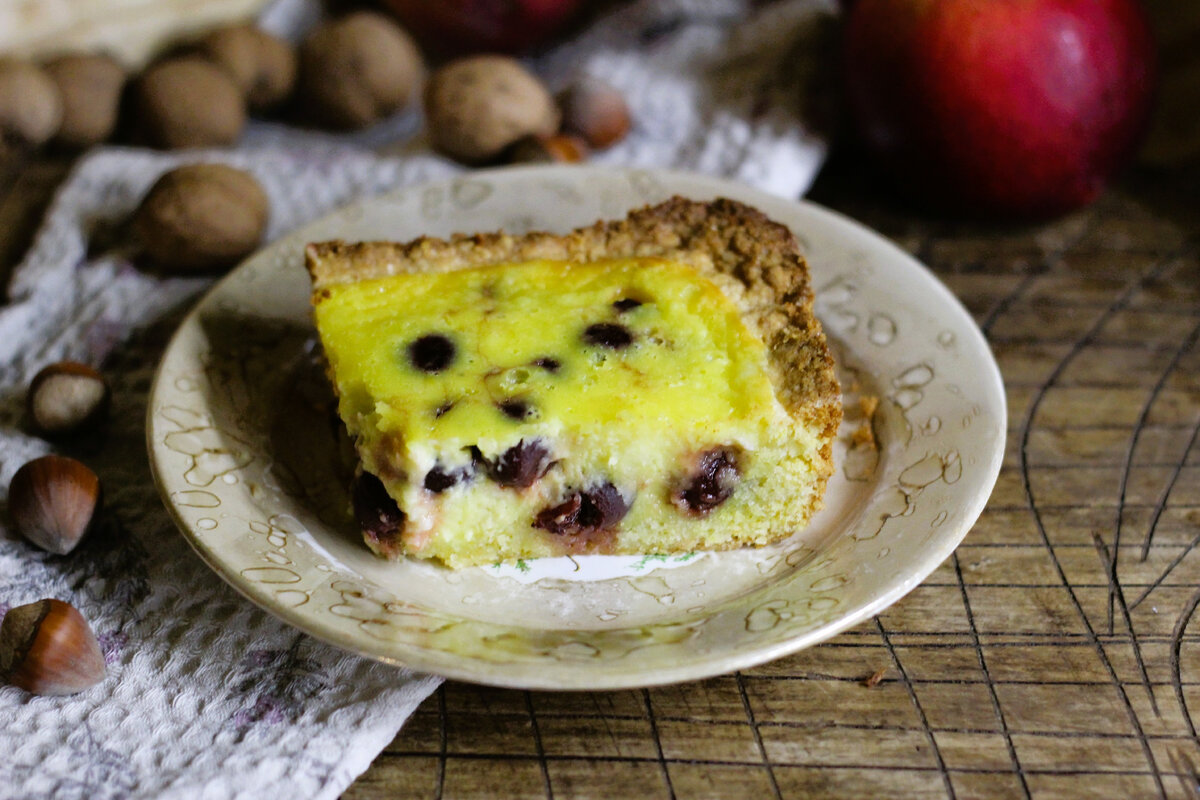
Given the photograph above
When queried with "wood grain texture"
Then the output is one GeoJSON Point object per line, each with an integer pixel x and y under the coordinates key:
{"type": "Point", "coordinates": [1056, 654]}
{"type": "Point", "coordinates": [1035, 662]}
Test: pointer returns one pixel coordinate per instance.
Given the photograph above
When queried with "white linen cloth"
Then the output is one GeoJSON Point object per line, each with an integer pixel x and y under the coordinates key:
{"type": "Point", "coordinates": [207, 696]}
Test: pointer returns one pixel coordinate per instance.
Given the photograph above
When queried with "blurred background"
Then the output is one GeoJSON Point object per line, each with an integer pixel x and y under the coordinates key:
{"type": "Point", "coordinates": [865, 89]}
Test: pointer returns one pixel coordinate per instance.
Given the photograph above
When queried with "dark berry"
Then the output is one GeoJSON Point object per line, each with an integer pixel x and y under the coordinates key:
{"type": "Point", "coordinates": [433, 352]}
{"type": "Point", "coordinates": [548, 363]}
{"type": "Point", "coordinates": [608, 334]}
{"type": "Point", "coordinates": [599, 508]}
{"type": "Point", "coordinates": [562, 518]}
{"type": "Point", "coordinates": [711, 482]}
{"type": "Point", "coordinates": [520, 465]}
{"type": "Point", "coordinates": [442, 410]}
{"type": "Point", "coordinates": [439, 479]}
{"type": "Point", "coordinates": [608, 503]}
{"type": "Point", "coordinates": [626, 304]}
{"type": "Point", "coordinates": [376, 512]}
{"type": "Point", "coordinates": [516, 409]}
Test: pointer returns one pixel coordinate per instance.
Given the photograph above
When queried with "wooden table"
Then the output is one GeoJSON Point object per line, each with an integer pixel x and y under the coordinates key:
{"type": "Point", "coordinates": [1052, 656]}
{"type": "Point", "coordinates": [1018, 668]}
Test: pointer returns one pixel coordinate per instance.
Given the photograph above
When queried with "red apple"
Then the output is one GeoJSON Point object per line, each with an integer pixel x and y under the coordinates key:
{"type": "Point", "coordinates": [454, 27]}
{"type": "Point", "coordinates": [1023, 108]}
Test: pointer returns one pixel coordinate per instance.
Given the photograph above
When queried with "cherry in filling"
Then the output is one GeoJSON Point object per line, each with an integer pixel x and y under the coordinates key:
{"type": "Point", "coordinates": [439, 479]}
{"type": "Point", "coordinates": [598, 508]}
{"type": "Point", "coordinates": [375, 510]}
{"type": "Point", "coordinates": [520, 465]}
{"type": "Point", "coordinates": [517, 409]}
{"type": "Point", "coordinates": [432, 352]}
{"type": "Point", "coordinates": [710, 483]}
{"type": "Point", "coordinates": [613, 335]}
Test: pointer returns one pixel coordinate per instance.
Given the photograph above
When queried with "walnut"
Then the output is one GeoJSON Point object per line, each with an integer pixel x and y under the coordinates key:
{"type": "Point", "coordinates": [187, 102]}
{"type": "Point", "coordinates": [201, 218]}
{"type": "Point", "coordinates": [356, 70]}
{"type": "Point", "coordinates": [91, 92]}
{"type": "Point", "coordinates": [31, 107]}
{"type": "Point", "coordinates": [263, 66]}
{"type": "Point", "coordinates": [476, 107]}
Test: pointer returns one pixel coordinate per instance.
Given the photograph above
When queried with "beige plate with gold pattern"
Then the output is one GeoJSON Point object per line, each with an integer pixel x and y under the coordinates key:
{"type": "Point", "coordinates": [243, 448]}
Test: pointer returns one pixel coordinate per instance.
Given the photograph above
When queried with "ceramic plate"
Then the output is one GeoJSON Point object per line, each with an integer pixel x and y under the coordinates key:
{"type": "Point", "coordinates": [245, 455]}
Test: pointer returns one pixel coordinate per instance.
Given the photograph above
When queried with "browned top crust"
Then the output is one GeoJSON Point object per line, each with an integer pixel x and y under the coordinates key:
{"type": "Point", "coordinates": [755, 261]}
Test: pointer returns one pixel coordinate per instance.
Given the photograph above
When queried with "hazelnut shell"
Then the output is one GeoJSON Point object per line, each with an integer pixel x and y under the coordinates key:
{"type": "Point", "coordinates": [187, 102]}
{"type": "Point", "coordinates": [263, 66]}
{"type": "Point", "coordinates": [31, 106]}
{"type": "Point", "coordinates": [201, 218]}
{"type": "Point", "coordinates": [48, 648]}
{"type": "Point", "coordinates": [477, 107]}
{"type": "Point", "coordinates": [356, 70]}
{"type": "Point", "coordinates": [90, 86]}
{"type": "Point", "coordinates": [66, 397]}
{"type": "Point", "coordinates": [559, 148]}
{"type": "Point", "coordinates": [595, 111]}
{"type": "Point", "coordinates": [53, 502]}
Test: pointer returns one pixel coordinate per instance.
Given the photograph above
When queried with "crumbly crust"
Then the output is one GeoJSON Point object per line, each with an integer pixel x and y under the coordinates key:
{"type": "Point", "coordinates": [755, 261]}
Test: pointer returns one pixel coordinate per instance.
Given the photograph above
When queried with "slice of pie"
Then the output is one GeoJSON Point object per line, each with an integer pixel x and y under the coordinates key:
{"type": "Point", "coordinates": [656, 384]}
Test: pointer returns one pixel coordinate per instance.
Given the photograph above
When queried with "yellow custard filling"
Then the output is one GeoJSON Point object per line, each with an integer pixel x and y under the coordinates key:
{"type": "Point", "coordinates": [545, 407]}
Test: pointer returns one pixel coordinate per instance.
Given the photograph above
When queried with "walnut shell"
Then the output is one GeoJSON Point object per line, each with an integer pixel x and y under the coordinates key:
{"type": "Point", "coordinates": [263, 66]}
{"type": "Point", "coordinates": [476, 107]}
{"type": "Point", "coordinates": [187, 102]}
{"type": "Point", "coordinates": [356, 70]}
{"type": "Point", "coordinates": [31, 106]}
{"type": "Point", "coordinates": [201, 218]}
{"type": "Point", "coordinates": [91, 92]}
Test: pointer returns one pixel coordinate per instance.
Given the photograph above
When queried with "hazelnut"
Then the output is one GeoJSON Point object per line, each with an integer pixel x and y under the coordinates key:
{"type": "Point", "coordinates": [31, 106]}
{"type": "Point", "coordinates": [187, 102]}
{"type": "Point", "coordinates": [476, 107]}
{"type": "Point", "coordinates": [66, 397]}
{"type": "Point", "coordinates": [263, 66]}
{"type": "Point", "coordinates": [201, 218]}
{"type": "Point", "coordinates": [356, 70]}
{"type": "Point", "coordinates": [560, 148]}
{"type": "Point", "coordinates": [48, 648]}
{"type": "Point", "coordinates": [53, 501]}
{"type": "Point", "coordinates": [596, 111]}
{"type": "Point", "coordinates": [91, 94]}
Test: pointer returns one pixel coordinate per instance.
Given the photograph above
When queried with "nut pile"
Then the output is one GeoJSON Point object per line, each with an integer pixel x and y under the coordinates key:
{"type": "Point", "coordinates": [348, 73]}
{"type": "Point", "coordinates": [490, 108]}
{"type": "Point", "coordinates": [47, 647]}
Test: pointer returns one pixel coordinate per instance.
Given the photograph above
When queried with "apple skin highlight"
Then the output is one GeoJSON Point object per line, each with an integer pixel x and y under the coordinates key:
{"type": "Point", "coordinates": [1012, 108]}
